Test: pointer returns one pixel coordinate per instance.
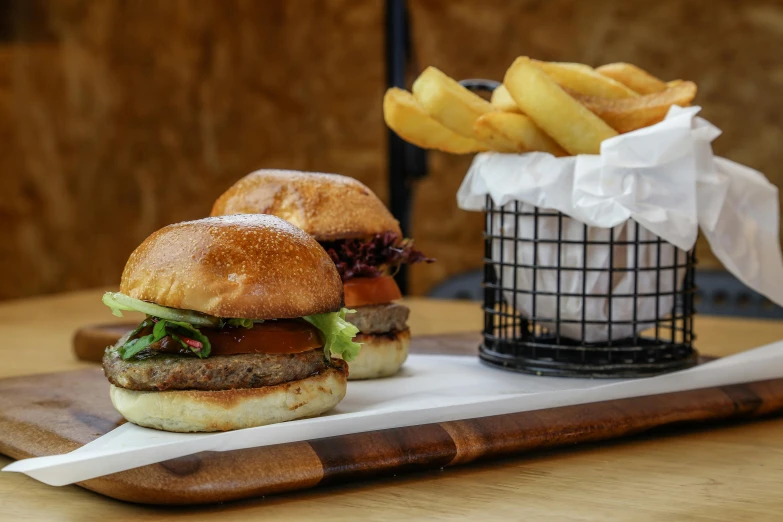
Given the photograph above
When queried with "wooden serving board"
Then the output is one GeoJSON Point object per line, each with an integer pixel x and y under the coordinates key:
{"type": "Point", "coordinates": [59, 412]}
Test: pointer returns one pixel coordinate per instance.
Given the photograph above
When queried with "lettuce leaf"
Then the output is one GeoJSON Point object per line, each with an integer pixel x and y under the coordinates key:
{"type": "Point", "coordinates": [119, 302]}
{"type": "Point", "coordinates": [134, 346]}
{"type": "Point", "coordinates": [245, 323]}
{"type": "Point", "coordinates": [338, 333]}
{"type": "Point", "coordinates": [188, 330]}
{"type": "Point", "coordinates": [163, 328]}
{"type": "Point", "coordinates": [145, 323]}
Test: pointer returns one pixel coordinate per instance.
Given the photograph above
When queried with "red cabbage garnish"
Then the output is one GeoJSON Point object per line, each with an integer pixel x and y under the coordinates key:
{"type": "Point", "coordinates": [371, 257]}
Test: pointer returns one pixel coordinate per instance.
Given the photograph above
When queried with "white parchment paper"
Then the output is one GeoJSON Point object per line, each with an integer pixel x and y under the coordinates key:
{"type": "Point", "coordinates": [640, 287]}
{"type": "Point", "coordinates": [663, 177]}
{"type": "Point", "coordinates": [430, 388]}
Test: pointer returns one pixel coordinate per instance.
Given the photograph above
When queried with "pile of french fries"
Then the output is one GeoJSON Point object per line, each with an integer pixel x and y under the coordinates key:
{"type": "Point", "coordinates": [555, 107]}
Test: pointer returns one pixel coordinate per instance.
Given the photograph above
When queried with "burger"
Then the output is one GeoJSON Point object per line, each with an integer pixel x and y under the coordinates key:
{"type": "Point", "coordinates": [243, 319]}
{"type": "Point", "coordinates": [361, 237]}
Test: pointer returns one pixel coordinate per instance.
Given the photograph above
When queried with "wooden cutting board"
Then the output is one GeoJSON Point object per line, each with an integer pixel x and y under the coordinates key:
{"type": "Point", "coordinates": [59, 412]}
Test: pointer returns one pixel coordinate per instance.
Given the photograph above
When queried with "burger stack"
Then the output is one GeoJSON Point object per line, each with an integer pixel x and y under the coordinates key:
{"type": "Point", "coordinates": [362, 238]}
{"type": "Point", "coordinates": [251, 320]}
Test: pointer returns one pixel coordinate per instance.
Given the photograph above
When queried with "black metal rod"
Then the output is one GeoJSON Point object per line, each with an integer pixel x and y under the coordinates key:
{"type": "Point", "coordinates": [406, 162]}
{"type": "Point", "coordinates": [396, 65]}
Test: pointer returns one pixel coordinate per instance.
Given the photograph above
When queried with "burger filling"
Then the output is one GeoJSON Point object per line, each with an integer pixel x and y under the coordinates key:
{"type": "Point", "coordinates": [280, 336]}
{"type": "Point", "coordinates": [365, 265]}
{"type": "Point", "coordinates": [186, 333]}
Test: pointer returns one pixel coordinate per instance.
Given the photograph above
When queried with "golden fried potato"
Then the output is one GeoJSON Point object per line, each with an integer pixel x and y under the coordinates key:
{"type": "Point", "coordinates": [448, 102]}
{"type": "Point", "coordinates": [503, 101]}
{"type": "Point", "coordinates": [491, 138]}
{"type": "Point", "coordinates": [511, 132]}
{"type": "Point", "coordinates": [568, 122]}
{"type": "Point", "coordinates": [407, 118]}
{"type": "Point", "coordinates": [633, 77]}
{"type": "Point", "coordinates": [584, 79]}
{"type": "Point", "coordinates": [627, 114]}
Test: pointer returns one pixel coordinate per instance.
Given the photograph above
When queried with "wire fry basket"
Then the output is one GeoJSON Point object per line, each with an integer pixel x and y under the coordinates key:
{"type": "Point", "coordinates": [564, 299]}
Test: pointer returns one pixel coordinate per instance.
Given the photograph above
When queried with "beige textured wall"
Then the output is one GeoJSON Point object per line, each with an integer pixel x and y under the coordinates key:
{"type": "Point", "coordinates": [117, 118]}
{"type": "Point", "coordinates": [121, 117]}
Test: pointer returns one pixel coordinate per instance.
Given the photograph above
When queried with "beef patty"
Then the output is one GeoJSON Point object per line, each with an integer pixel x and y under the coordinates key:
{"type": "Point", "coordinates": [218, 372]}
{"type": "Point", "coordinates": [376, 319]}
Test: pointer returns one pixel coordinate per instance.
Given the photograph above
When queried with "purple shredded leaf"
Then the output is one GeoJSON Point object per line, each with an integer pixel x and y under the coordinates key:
{"type": "Point", "coordinates": [370, 257]}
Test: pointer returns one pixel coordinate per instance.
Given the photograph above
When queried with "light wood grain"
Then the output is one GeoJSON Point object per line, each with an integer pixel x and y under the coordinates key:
{"type": "Point", "coordinates": [731, 473]}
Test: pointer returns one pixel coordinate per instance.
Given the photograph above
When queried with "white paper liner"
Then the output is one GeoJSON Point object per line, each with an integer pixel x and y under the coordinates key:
{"type": "Point", "coordinates": [636, 274]}
{"type": "Point", "coordinates": [430, 389]}
{"type": "Point", "coordinates": [663, 177]}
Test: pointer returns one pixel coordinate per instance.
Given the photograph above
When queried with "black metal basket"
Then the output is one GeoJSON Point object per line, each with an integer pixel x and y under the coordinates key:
{"type": "Point", "coordinates": [639, 323]}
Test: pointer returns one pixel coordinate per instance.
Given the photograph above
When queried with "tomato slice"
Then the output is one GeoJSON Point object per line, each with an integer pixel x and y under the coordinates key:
{"type": "Point", "coordinates": [362, 291]}
{"type": "Point", "coordinates": [280, 336]}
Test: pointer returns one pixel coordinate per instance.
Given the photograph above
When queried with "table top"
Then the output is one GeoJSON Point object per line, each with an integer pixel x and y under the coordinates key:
{"type": "Point", "coordinates": [728, 473]}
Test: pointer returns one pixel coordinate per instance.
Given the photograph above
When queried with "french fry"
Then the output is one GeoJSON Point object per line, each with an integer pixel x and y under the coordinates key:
{"type": "Point", "coordinates": [633, 77]}
{"type": "Point", "coordinates": [584, 79]}
{"type": "Point", "coordinates": [566, 65]}
{"type": "Point", "coordinates": [407, 118]}
{"type": "Point", "coordinates": [449, 103]}
{"type": "Point", "coordinates": [503, 101]}
{"type": "Point", "coordinates": [568, 122]}
{"type": "Point", "coordinates": [627, 114]}
{"type": "Point", "coordinates": [511, 132]}
{"type": "Point", "coordinates": [491, 138]}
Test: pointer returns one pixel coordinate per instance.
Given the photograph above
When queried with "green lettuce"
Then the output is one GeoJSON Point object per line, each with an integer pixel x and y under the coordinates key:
{"type": "Point", "coordinates": [131, 348]}
{"type": "Point", "coordinates": [338, 333]}
{"type": "Point", "coordinates": [174, 329]}
{"type": "Point", "coordinates": [188, 330]}
{"type": "Point", "coordinates": [119, 302]}
{"type": "Point", "coordinates": [245, 323]}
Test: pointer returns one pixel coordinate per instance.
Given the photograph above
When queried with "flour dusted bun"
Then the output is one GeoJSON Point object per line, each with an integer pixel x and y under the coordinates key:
{"type": "Point", "coordinates": [251, 266]}
{"type": "Point", "coordinates": [326, 206]}
{"type": "Point", "coordinates": [189, 411]}
{"type": "Point", "coordinates": [381, 355]}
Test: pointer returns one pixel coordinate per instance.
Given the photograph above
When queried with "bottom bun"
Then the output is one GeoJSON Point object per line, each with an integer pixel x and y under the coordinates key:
{"type": "Point", "coordinates": [193, 410]}
{"type": "Point", "coordinates": [381, 355]}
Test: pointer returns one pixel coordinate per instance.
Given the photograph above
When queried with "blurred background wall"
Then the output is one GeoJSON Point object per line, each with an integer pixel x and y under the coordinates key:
{"type": "Point", "coordinates": [119, 117]}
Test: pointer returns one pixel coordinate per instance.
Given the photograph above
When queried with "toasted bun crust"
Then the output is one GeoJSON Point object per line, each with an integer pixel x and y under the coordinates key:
{"type": "Point", "coordinates": [326, 206]}
{"type": "Point", "coordinates": [253, 266]}
{"type": "Point", "coordinates": [381, 355]}
{"type": "Point", "coordinates": [186, 411]}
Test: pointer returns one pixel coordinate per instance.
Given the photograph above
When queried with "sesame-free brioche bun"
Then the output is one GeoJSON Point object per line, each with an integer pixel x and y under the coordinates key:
{"type": "Point", "coordinates": [251, 266]}
{"type": "Point", "coordinates": [382, 355]}
{"type": "Point", "coordinates": [193, 410]}
{"type": "Point", "coordinates": [326, 206]}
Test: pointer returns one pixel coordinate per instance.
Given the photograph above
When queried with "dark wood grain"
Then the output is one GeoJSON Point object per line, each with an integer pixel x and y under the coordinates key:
{"type": "Point", "coordinates": [56, 413]}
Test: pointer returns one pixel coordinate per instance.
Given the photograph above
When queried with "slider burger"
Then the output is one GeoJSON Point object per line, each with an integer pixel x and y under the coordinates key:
{"type": "Point", "coordinates": [362, 238]}
{"type": "Point", "coordinates": [243, 314]}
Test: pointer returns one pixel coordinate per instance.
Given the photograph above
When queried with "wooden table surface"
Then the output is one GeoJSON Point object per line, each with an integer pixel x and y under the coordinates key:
{"type": "Point", "coordinates": [728, 473]}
